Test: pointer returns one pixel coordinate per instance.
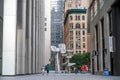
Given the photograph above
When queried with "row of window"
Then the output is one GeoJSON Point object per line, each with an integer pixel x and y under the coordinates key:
{"type": "Point", "coordinates": [80, 51]}
{"type": "Point", "coordinates": [77, 2]}
{"type": "Point", "coordinates": [77, 17]}
{"type": "Point", "coordinates": [70, 5]}
{"type": "Point", "coordinates": [78, 38]}
{"type": "Point", "coordinates": [78, 46]}
{"type": "Point", "coordinates": [77, 26]}
{"type": "Point", "coordinates": [77, 33]}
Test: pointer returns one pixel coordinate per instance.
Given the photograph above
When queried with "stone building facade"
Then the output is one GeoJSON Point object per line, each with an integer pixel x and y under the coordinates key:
{"type": "Point", "coordinates": [75, 25]}
{"type": "Point", "coordinates": [105, 28]}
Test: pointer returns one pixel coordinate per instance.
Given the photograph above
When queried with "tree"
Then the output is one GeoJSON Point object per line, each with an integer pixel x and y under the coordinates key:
{"type": "Point", "coordinates": [81, 59]}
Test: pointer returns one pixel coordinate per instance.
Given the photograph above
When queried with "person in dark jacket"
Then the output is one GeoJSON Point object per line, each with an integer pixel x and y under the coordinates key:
{"type": "Point", "coordinates": [76, 70]}
{"type": "Point", "coordinates": [47, 68]}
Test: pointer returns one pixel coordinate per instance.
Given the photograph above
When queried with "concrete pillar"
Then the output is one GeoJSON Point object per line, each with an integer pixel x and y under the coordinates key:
{"type": "Point", "coordinates": [34, 37]}
{"type": "Point", "coordinates": [37, 36]}
{"type": "Point", "coordinates": [23, 36]}
{"type": "Point", "coordinates": [9, 37]}
{"type": "Point", "coordinates": [41, 33]}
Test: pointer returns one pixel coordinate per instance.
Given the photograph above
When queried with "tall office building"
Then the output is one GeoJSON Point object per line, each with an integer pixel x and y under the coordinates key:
{"type": "Point", "coordinates": [21, 36]}
{"type": "Point", "coordinates": [56, 25]}
{"type": "Point", "coordinates": [105, 29]}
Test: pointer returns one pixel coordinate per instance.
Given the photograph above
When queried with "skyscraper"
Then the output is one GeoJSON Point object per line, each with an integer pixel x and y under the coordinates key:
{"type": "Point", "coordinates": [22, 43]}
{"type": "Point", "coordinates": [56, 25]}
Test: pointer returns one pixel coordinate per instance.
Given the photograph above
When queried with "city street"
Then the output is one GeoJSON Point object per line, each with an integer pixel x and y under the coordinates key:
{"type": "Point", "coordinates": [67, 76]}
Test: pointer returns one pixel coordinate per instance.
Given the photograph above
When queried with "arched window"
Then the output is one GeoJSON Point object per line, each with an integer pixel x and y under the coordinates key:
{"type": "Point", "coordinates": [78, 17]}
{"type": "Point", "coordinates": [83, 17]}
{"type": "Point", "coordinates": [77, 26]}
{"type": "Point", "coordinates": [71, 26]}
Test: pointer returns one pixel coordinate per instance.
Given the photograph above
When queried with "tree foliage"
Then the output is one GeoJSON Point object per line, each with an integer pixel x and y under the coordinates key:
{"type": "Point", "coordinates": [80, 59]}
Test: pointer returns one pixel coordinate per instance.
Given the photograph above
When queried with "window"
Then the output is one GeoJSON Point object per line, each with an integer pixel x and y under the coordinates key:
{"type": "Point", "coordinates": [83, 32]}
{"type": "Point", "coordinates": [76, 51]}
{"type": "Point", "coordinates": [75, 17]}
{"type": "Point", "coordinates": [83, 17]}
{"type": "Point", "coordinates": [78, 45]}
{"type": "Point", "coordinates": [45, 24]}
{"type": "Point", "coordinates": [71, 26]}
{"type": "Point", "coordinates": [78, 17]}
{"type": "Point", "coordinates": [83, 25]}
{"type": "Point", "coordinates": [83, 45]}
{"type": "Point", "coordinates": [71, 18]}
{"type": "Point", "coordinates": [45, 19]}
{"type": "Point", "coordinates": [71, 45]}
{"type": "Point", "coordinates": [71, 38]}
{"type": "Point", "coordinates": [83, 51]}
{"type": "Point", "coordinates": [83, 39]}
{"type": "Point", "coordinates": [77, 26]}
{"type": "Point", "coordinates": [71, 33]}
{"type": "Point", "coordinates": [78, 33]}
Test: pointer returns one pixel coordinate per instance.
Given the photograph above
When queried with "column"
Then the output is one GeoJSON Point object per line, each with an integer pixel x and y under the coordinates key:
{"type": "Point", "coordinates": [9, 37]}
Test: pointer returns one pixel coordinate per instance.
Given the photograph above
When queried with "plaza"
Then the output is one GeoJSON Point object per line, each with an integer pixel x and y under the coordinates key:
{"type": "Point", "coordinates": [61, 76]}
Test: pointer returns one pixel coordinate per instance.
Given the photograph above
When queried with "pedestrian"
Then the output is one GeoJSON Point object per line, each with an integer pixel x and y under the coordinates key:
{"type": "Point", "coordinates": [83, 68]}
{"type": "Point", "coordinates": [43, 70]}
{"type": "Point", "coordinates": [47, 68]}
{"type": "Point", "coordinates": [76, 70]}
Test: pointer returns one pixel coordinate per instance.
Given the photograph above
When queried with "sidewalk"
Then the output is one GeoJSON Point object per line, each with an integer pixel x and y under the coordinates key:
{"type": "Point", "coordinates": [60, 76]}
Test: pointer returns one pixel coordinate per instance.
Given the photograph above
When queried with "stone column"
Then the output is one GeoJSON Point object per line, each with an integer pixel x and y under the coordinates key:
{"type": "Point", "coordinates": [9, 37]}
{"type": "Point", "coordinates": [34, 33]}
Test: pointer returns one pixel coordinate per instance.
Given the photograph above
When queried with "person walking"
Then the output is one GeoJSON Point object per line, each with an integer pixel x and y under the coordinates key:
{"type": "Point", "coordinates": [83, 68]}
{"type": "Point", "coordinates": [47, 68]}
{"type": "Point", "coordinates": [43, 70]}
{"type": "Point", "coordinates": [76, 70]}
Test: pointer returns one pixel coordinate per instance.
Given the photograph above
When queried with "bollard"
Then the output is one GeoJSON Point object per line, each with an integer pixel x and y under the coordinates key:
{"type": "Point", "coordinates": [106, 72]}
